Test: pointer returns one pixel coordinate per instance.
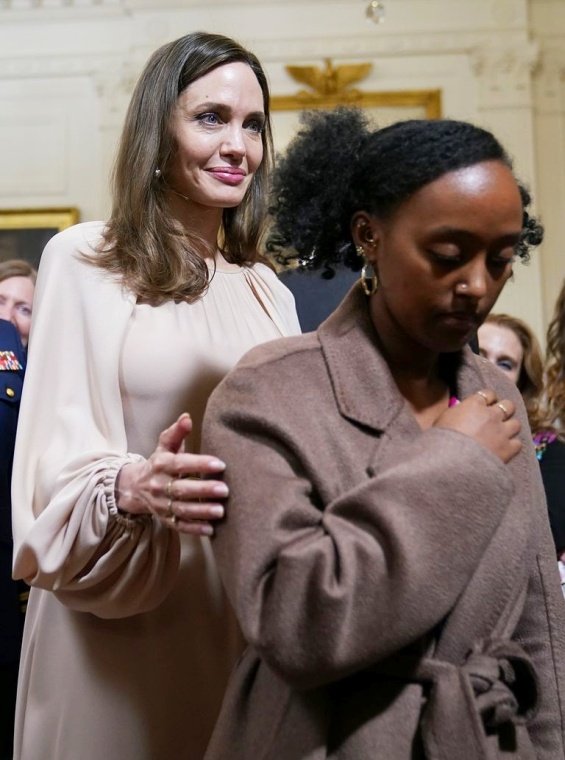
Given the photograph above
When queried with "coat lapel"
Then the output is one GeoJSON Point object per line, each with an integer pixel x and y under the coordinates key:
{"type": "Point", "coordinates": [364, 389]}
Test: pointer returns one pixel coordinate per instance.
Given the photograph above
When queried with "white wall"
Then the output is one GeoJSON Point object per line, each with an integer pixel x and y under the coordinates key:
{"type": "Point", "coordinates": [67, 68]}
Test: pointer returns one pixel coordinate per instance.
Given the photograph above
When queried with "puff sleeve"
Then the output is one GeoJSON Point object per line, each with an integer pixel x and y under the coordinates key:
{"type": "Point", "coordinates": [68, 535]}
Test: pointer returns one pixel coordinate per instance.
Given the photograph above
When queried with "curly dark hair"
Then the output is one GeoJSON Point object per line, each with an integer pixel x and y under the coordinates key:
{"type": "Point", "coordinates": [337, 165]}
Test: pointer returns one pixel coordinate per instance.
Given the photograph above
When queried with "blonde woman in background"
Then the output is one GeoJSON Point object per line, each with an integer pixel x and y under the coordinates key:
{"type": "Point", "coordinates": [510, 344]}
{"type": "Point", "coordinates": [129, 638]}
{"type": "Point", "coordinates": [17, 285]}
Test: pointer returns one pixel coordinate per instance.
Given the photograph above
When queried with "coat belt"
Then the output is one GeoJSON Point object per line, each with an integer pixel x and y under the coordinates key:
{"type": "Point", "coordinates": [496, 684]}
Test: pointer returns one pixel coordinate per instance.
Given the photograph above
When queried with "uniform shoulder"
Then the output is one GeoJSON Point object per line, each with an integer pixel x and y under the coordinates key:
{"type": "Point", "coordinates": [9, 337]}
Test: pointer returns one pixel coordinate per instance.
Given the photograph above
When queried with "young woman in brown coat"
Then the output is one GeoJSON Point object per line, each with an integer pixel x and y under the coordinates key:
{"type": "Point", "coordinates": [386, 543]}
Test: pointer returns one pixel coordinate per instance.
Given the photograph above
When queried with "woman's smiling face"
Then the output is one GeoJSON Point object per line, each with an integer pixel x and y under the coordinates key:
{"type": "Point", "coordinates": [217, 128]}
{"type": "Point", "coordinates": [444, 254]}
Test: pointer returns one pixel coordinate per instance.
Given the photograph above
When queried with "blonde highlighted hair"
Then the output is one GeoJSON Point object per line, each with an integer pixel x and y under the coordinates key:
{"type": "Point", "coordinates": [555, 363]}
{"type": "Point", "coordinates": [531, 378]}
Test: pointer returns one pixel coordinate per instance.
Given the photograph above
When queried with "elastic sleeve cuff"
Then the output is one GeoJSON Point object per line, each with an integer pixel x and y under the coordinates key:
{"type": "Point", "coordinates": [125, 519]}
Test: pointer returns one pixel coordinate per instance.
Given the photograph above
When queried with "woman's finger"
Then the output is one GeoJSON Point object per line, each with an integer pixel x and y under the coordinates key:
{"type": "Point", "coordinates": [487, 395]}
{"type": "Point", "coordinates": [506, 408]}
{"type": "Point", "coordinates": [195, 489]}
{"type": "Point", "coordinates": [194, 528]}
{"type": "Point", "coordinates": [173, 437]}
{"type": "Point", "coordinates": [208, 512]}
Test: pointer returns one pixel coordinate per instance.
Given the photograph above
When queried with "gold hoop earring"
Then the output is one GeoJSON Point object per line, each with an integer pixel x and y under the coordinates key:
{"type": "Point", "coordinates": [369, 279]}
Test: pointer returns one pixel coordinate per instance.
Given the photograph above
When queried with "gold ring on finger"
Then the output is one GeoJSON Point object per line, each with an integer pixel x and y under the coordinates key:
{"type": "Point", "coordinates": [170, 513]}
{"type": "Point", "coordinates": [484, 396]}
{"type": "Point", "coordinates": [504, 410]}
{"type": "Point", "coordinates": [169, 489]}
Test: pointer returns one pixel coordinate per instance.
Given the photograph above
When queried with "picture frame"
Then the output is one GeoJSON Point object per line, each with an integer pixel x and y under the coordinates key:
{"type": "Point", "coordinates": [24, 233]}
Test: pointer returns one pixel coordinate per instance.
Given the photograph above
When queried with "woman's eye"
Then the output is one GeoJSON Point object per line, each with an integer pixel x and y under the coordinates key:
{"type": "Point", "coordinates": [443, 257]}
{"type": "Point", "coordinates": [255, 125]}
{"type": "Point", "coordinates": [25, 311]}
{"type": "Point", "coordinates": [505, 365]}
{"type": "Point", "coordinates": [504, 256]}
{"type": "Point", "coordinates": [502, 261]}
{"type": "Point", "coordinates": [210, 119]}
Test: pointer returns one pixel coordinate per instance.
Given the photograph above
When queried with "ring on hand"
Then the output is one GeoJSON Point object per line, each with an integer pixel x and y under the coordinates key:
{"type": "Point", "coordinates": [484, 396]}
{"type": "Point", "coordinates": [169, 492]}
{"type": "Point", "coordinates": [169, 489]}
{"type": "Point", "coordinates": [504, 410]}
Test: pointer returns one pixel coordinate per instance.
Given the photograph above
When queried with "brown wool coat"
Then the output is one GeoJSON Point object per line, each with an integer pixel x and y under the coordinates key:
{"type": "Point", "coordinates": [397, 588]}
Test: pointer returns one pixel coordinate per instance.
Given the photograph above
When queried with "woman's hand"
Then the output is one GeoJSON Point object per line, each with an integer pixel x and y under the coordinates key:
{"type": "Point", "coordinates": [169, 484]}
{"type": "Point", "coordinates": [486, 419]}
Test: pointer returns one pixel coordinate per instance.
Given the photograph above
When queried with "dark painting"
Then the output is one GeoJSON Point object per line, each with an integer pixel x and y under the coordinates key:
{"type": "Point", "coordinates": [25, 244]}
{"type": "Point", "coordinates": [24, 233]}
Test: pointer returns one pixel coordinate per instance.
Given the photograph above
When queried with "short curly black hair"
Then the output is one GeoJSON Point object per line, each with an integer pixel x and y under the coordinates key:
{"type": "Point", "coordinates": [337, 165]}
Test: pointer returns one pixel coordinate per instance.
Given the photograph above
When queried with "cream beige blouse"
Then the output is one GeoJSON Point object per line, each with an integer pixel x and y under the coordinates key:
{"type": "Point", "coordinates": [128, 638]}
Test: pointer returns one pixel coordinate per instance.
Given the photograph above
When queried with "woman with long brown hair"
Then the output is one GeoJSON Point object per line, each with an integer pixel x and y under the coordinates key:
{"type": "Point", "coordinates": [129, 638]}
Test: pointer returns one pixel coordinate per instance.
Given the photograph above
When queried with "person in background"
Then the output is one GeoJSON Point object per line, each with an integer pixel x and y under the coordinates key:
{"type": "Point", "coordinates": [555, 363]}
{"type": "Point", "coordinates": [317, 293]}
{"type": "Point", "coordinates": [129, 638]}
{"type": "Point", "coordinates": [510, 345]}
{"type": "Point", "coordinates": [555, 395]}
{"type": "Point", "coordinates": [17, 282]}
{"type": "Point", "coordinates": [386, 543]}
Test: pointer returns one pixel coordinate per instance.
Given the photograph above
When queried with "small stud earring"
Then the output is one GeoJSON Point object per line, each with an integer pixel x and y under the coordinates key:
{"type": "Point", "coordinates": [359, 250]}
{"type": "Point", "coordinates": [157, 173]}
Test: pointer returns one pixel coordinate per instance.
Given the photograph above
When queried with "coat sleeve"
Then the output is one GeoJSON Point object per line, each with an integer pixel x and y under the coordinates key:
{"type": "Point", "coordinates": [71, 443]}
{"type": "Point", "coordinates": [324, 590]}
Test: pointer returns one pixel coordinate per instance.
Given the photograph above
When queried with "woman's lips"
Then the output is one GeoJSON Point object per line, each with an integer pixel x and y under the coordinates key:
{"type": "Point", "coordinates": [228, 176]}
{"type": "Point", "coordinates": [462, 320]}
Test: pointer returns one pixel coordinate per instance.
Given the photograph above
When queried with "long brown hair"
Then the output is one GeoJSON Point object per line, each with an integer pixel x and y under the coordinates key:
{"type": "Point", "coordinates": [530, 379]}
{"type": "Point", "coordinates": [555, 368]}
{"type": "Point", "coordinates": [143, 243]}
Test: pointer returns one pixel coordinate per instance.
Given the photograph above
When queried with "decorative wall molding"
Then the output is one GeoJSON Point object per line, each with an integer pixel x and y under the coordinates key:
{"type": "Point", "coordinates": [505, 74]}
{"type": "Point", "coordinates": [282, 49]}
{"type": "Point", "coordinates": [40, 5]}
{"type": "Point", "coordinates": [373, 44]}
{"type": "Point", "coordinates": [549, 80]}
